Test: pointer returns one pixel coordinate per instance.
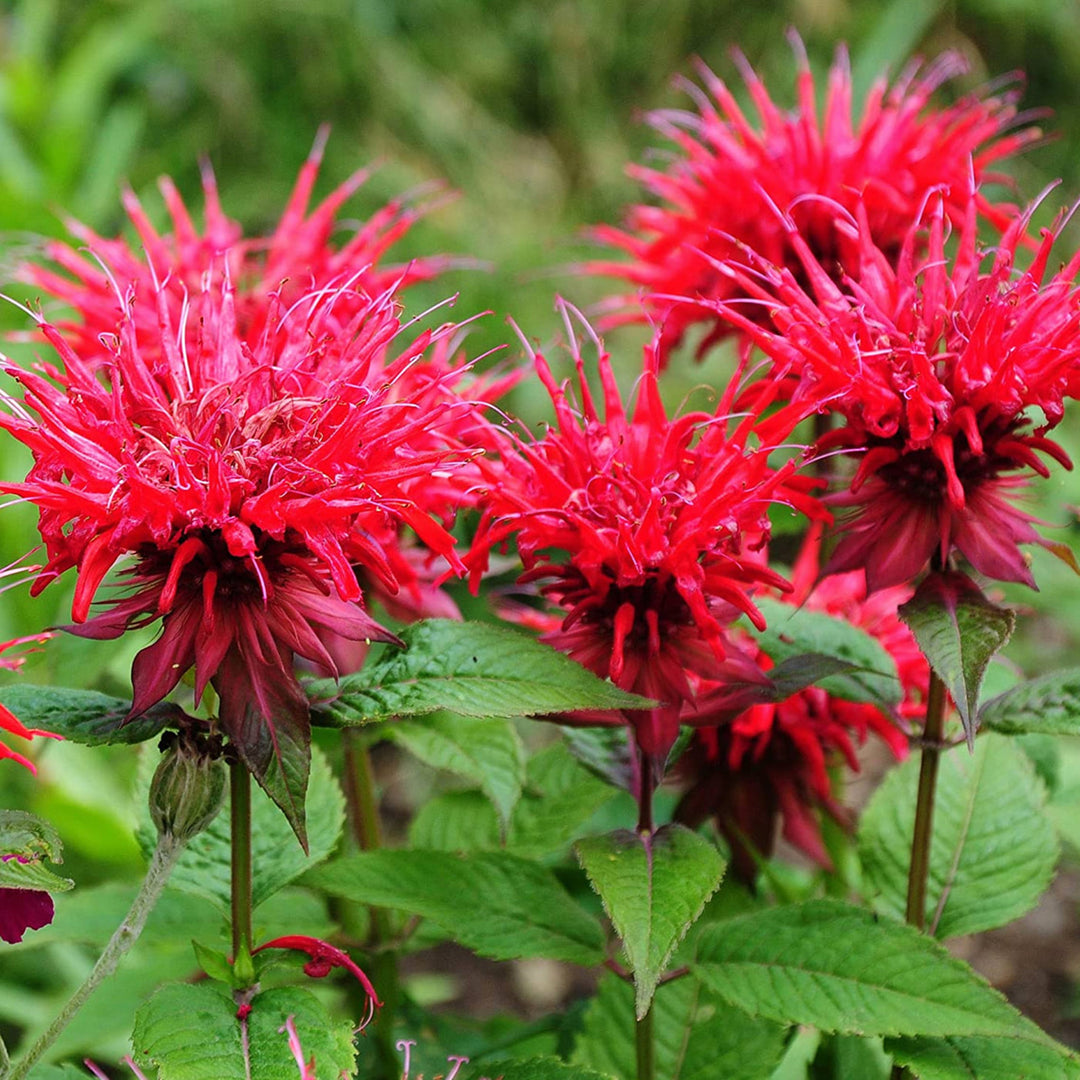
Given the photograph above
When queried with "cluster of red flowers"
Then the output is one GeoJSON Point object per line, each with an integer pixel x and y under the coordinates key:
{"type": "Point", "coordinates": [253, 430]}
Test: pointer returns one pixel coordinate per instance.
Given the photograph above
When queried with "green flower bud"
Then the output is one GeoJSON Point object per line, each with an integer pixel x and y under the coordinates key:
{"type": "Point", "coordinates": [187, 791]}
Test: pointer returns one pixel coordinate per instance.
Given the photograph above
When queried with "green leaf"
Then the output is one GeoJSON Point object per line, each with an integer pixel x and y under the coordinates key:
{"type": "Point", "coordinates": [85, 716]}
{"type": "Point", "coordinates": [958, 630]}
{"type": "Point", "coordinates": [25, 841]}
{"type": "Point", "coordinates": [456, 821]}
{"type": "Point", "coordinates": [993, 849]}
{"type": "Point", "coordinates": [488, 752]}
{"type": "Point", "coordinates": [204, 868]}
{"type": "Point", "coordinates": [470, 668]}
{"type": "Point", "coordinates": [1048, 705]}
{"type": "Point", "coordinates": [975, 1057]}
{"type": "Point", "coordinates": [653, 889]}
{"type": "Point", "coordinates": [494, 903]}
{"type": "Point", "coordinates": [547, 1068]}
{"type": "Point", "coordinates": [695, 1036]}
{"type": "Point", "coordinates": [795, 632]}
{"type": "Point", "coordinates": [841, 1057]}
{"type": "Point", "coordinates": [192, 1033]}
{"type": "Point", "coordinates": [840, 968]}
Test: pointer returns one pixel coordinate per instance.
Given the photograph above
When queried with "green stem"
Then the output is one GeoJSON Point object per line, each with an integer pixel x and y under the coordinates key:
{"type": "Point", "coordinates": [240, 831]}
{"type": "Point", "coordinates": [919, 870]}
{"type": "Point", "coordinates": [646, 1047]}
{"type": "Point", "coordinates": [127, 933]}
{"type": "Point", "coordinates": [363, 811]}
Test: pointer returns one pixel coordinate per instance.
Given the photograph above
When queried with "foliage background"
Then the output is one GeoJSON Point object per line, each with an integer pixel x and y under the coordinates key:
{"type": "Point", "coordinates": [529, 108]}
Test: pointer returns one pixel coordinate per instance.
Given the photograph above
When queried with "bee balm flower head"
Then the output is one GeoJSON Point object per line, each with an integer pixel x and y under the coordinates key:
{"type": "Point", "coordinates": [645, 530]}
{"type": "Point", "coordinates": [727, 171]}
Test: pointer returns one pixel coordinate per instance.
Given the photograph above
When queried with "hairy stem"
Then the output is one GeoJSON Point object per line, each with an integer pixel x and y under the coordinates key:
{"type": "Point", "coordinates": [127, 933]}
{"type": "Point", "coordinates": [240, 826]}
{"type": "Point", "coordinates": [646, 1047]}
{"type": "Point", "coordinates": [363, 812]}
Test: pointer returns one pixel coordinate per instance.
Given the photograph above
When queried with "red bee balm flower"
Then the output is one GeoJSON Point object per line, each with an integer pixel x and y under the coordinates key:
{"type": "Point", "coordinates": [719, 188]}
{"type": "Point", "coordinates": [245, 481]}
{"type": "Point", "coordinates": [771, 762]}
{"type": "Point", "coordinates": [646, 531]}
{"type": "Point", "coordinates": [947, 372]}
{"type": "Point", "coordinates": [8, 721]}
{"type": "Point", "coordinates": [177, 268]}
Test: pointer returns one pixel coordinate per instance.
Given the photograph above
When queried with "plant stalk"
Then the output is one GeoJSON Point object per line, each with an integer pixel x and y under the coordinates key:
{"type": "Point", "coordinates": [363, 812]}
{"type": "Point", "coordinates": [646, 1047]}
{"type": "Point", "coordinates": [242, 905]}
{"type": "Point", "coordinates": [919, 870]}
{"type": "Point", "coordinates": [166, 853]}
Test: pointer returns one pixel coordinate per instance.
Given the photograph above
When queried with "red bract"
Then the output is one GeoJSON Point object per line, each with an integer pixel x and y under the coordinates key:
{"type": "Point", "coordinates": [771, 763]}
{"type": "Point", "coordinates": [718, 190]}
{"type": "Point", "coordinates": [177, 268]}
{"type": "Point", "coordinates": [646, 530]}
{"type": "Point", "coordinates": [245, 481]}
{"type": "Point", "coordinates": [22, 910]}
{"type": "Point", "coordinates": [947, 371]}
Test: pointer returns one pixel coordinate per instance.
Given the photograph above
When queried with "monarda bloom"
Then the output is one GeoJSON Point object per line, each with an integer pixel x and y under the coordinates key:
{"type": "Point", "coordinates": [728, 173]}
{"type": "Point", "coordinates": [240, 485]}
{"type": "Point", "coordinates": [106, 279]}
{"type": "Point", "coordinates": [769, 767]}
{"type": "Point", "coordinates": [646, 531]}
{"type": "Point", "coordinates": [8, 721]}
{"type": "Point", "coordinates": [946, 372]}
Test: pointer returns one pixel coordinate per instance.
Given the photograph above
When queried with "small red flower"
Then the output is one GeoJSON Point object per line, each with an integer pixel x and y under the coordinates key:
{"type": "Point", "coordinates": [947, 372]}
{"type": "Point", "coordinates": [771, 763]}
{"type": "Point", "coordinates": [105, 280]}
{"type": "Point", "coordinates": [645, 530]}
{"type": "Point", "coordinates": [324, 958]}
{"type": "Point", "coordinates": [728, 173]}
{"type": "Point", "coordinates": [241, 482]}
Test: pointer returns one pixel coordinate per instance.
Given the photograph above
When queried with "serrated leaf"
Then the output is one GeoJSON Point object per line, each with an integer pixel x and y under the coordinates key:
{"type": "Point", "coordinates": [958, 631]}
{"type": "Point", "coordinates": [653, 889]}
{"type": "Point", "coordinates": [607, 752]}
{"type": "Point", "coordinates": [486, 751]}
{"type": "Point", "coordinates": [25, 841]}
{"type": "Point", "coordinates": [470, 668]}
{"type": "Point", "coordinates": [456, 821]}
{"type": "Point", "coordinates": [1048, 705]}
{"type": "Point", "coordinates": [695, 1037]}
{"type": "Point", "coordinates": [205, 867]}
{"type": "Point", "coordinates": [795, 631]}
{"type": "Point", "coordinates": [841, 968]}
{"type": "Point", "coordinates": [85, 716]}
{"type": "Point", "coordinates": [971, 1057]}
{"type": "Point", "coordinates": [192, 1033]}
{"type": "Point", "coordinates": [494, 903]}
{"type": "Point", "coordinates": [993, 849]}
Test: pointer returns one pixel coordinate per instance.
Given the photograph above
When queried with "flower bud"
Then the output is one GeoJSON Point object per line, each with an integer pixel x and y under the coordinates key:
{"type": "Point", "coordinates": [187, 791]}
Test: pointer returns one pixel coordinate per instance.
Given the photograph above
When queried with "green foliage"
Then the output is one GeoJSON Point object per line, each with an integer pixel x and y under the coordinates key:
{"type": "Point", "coordinates": [975, 1057]}
{"type": "Point", "coordinates": [793, 632]}
{"type": "Point", "coordinates": [959, 631]}
{"type": "Point", "coordinates": [993, 849]}
{"type": "Point", "coordinates": [486, 751]}
{"type": "Point", "coordinates": [30, 840]}
{"type": "Point", "coordinates": [85, 716]}
{"type": "Point", "coordinates": [192, 1033]}
{"type": "Point", "coordinates": [1048, 705]}
{"type": "Point", "coordinates": [697, 1037]}
{"type": "Point", "coordinates": [653, 889]}
{"type": "Point", "coordinates": [560, 797]}
{"type": "Point", "coordinates": [840, 968]}
{"type": "Point", "coordinates": [497, 904]}
{"type": "Point", "coordinates": [474, 669]}
{"type": "Point", "coordinates": [533, 1069]}
{"type": "Point", "coordinates": [277, 858]}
